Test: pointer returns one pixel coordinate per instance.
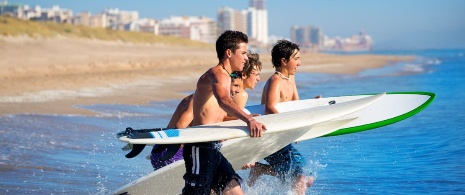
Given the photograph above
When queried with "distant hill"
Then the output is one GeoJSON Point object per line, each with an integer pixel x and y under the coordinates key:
{"type": "Point", "coordinates": [10, 26]}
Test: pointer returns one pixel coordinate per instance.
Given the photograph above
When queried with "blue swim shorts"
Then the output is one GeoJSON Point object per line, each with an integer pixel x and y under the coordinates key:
{"type": "Point", "coordinates": [287, 162]}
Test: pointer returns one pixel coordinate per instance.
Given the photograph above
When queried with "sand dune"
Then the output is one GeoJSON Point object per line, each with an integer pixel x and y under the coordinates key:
{"type": "Point", "coordinates": [49, 76]}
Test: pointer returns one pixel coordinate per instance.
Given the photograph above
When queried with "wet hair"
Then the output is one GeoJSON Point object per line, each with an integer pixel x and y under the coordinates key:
{"type": "Point", "coordinates": [282, 49]}
{"type": "Point", "coordinates": [253, 62]}
{"type": "Point", "coordinates": [230, 39]}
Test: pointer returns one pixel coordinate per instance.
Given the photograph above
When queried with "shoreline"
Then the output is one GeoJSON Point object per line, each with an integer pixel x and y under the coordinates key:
{"type": "Point", "coordinates": [51, 76]}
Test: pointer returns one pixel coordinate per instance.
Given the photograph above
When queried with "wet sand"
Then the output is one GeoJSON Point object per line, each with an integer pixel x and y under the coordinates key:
{"type": "Point", "coordinates": [50, 76]}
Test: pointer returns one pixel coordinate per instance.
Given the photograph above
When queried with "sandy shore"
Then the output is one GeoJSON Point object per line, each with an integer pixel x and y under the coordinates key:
{"type": "Point", "coordinates": [50, 76]}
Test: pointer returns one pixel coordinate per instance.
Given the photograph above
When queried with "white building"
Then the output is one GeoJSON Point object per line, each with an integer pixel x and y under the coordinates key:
{"type": "Point", "coordinates": [119, 19]}
{"type": "Point", "coordinates": [194, 28]}
{"type": "Point", "coordinates": [148, 25]}
{"type": "Point", "coordinates": [231, 19]}
{"type": "Point", "coordinates": [56, 14]}
{"type": "Point", "coordinates": [360, 42]}
{"type": "Point", "coordinates": [257, 21]}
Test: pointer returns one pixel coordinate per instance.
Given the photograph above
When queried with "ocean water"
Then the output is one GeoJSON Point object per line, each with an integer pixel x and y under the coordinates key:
{"type": "Point", "coordinates": [424, 154]}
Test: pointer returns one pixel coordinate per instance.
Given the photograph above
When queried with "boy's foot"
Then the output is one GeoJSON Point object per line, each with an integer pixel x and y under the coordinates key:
{"type": "Point", "coordinates": [310, 180]}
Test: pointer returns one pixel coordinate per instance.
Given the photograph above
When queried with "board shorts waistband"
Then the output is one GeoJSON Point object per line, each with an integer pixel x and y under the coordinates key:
{"type": "Point", "coordinates": [214, 145]}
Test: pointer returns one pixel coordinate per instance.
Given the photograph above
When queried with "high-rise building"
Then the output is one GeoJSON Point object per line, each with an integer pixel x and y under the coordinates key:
{"type": "Point", "coordinates": [257, 21]}
{"type": "Point", "coordinates": [253, 21]}
{"type": "Point", "coordinates": [231, 19]}
{"type": "Point", "coordinates": [307, 36]}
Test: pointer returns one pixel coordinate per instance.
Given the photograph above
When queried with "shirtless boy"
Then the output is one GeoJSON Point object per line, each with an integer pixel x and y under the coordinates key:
{"type": "Point", "coordinates": [182, 118]}
{"type": "Point", "coordinates": [206, 167]}
{"type": "Point", "coordinates": [286, 163]}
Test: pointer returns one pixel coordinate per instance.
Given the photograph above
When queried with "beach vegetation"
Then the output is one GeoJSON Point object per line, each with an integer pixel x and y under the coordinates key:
{"type": "Point", "coordinates": [10, 26]}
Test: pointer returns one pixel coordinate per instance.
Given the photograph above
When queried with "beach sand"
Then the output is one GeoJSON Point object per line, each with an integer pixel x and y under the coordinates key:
{"type": "Point", "coordinates": [51, 76]}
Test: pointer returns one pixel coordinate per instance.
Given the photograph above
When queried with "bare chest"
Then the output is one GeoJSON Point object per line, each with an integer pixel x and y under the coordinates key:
{"type": "Point", "coordinates": [286, 91]}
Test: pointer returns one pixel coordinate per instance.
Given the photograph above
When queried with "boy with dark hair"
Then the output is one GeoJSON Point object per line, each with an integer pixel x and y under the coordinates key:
{"type": "Point", "coordinates": [206, 167]}
{"type": "Point", "coordinates": [286, 163]}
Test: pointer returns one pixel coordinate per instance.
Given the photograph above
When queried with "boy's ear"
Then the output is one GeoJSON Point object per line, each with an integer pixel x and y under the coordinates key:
{"type": "Point", "coordinates": [283, 61]}
{"type": "Point", "coordinates": [228, 53]}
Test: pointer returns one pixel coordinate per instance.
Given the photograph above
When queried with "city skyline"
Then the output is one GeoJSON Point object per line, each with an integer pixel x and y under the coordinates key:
{"type": "Point", "coordinates": [393, 24]}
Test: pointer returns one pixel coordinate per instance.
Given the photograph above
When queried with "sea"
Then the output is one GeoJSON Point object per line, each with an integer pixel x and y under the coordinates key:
{"type": "Point", "coordinates": [423, 154]}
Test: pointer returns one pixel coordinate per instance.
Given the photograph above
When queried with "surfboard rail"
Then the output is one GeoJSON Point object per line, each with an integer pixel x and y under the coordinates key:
{"type": "Point", "coordinates": [274, 122]}
{"type": "Point", "coordinates": [389, 121]}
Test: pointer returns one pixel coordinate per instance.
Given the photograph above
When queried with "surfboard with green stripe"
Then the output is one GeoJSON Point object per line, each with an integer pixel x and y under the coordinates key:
{"type": "Point", "coordinates": [391, 108]}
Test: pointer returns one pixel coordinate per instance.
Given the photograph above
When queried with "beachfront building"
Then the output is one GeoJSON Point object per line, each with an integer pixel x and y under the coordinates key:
{"type": "Point", "coordinates": [190, 27]}
{"type": "Point", "coordinates": [257, 22]}
{"type": "Point", "coordinates": [231, 19]}
{"type": "Point", "coordinates": [114, 19]}
{"type": "Point", "coordinates": [253, 21]}
{"type": "Point", "coordinates": [120, 20]}
{"type": "Point", "coordinates": [98, 21]}
{"type": "Point", "coordinates": [148, 25]}
{"type": "Point", "coordinates": [31, 12]}
{"type": "Point", "coordinates": [307, 37]}
{"type": "Point", "coordinates": [54, 14]}
{"type": "Point", "coordinates": [87, 19]}
{"type": "Point", "coordinates": [360, 42]}
{"type": "Point", "coordinates": [82, 18]}
{"type": "Point", "coordinates": [14, 10]}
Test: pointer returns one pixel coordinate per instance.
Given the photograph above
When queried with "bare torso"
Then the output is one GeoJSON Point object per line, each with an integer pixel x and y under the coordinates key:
{"type": "Point", "coordinates": [182, 116]}
{"type": "Point", "coordinates": [279, 90]}
{"type": "Point", "coordinates": [206, 108]}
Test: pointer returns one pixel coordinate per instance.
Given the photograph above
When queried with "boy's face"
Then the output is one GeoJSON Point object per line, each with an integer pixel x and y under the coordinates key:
{"type": "Point", "coordinates": [235, 86]}
{"type": "Point", "coordinates": [253, 78]}
{"type": "Point", "coordinates": [294, 61]}
{"type": "Point", "coordinates": [239, 57]}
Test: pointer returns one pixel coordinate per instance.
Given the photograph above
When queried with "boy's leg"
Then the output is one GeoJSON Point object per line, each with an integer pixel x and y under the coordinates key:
{"type": "Point", "coordinates": [226, 180]}
{"type": "Point", "coordinates": [300, 182]}
{"type": "Point", "coordinates": [258, 170]}
{"type": "Point", "coordinates": [200, 166]}
{"type": "Point", "coordinates": [233, 188]}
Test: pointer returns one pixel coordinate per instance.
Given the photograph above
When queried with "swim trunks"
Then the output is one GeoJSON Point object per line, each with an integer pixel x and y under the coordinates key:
{"type": "Point", "coordinates": [287, 162]}
{"type": "Point", "coordinates": [206, 168]}
{"type": "Point", "coordinates": [157, 163]}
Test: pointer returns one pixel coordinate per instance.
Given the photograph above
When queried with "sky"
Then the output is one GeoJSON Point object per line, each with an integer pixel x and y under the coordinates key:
{"type": "Point", "coordinates": [392, 24]}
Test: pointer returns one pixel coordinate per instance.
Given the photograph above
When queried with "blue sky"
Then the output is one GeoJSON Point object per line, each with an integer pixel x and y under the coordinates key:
{"type": "Point", "coordinates": [393, 24]}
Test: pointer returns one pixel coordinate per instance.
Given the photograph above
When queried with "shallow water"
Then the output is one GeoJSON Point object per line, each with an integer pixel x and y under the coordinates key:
{"type": "Point", "coordinates": [420, 155]}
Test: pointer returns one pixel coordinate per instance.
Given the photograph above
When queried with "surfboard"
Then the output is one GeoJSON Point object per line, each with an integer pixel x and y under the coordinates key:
{"type": "Point", "coordinates": [259, 148]}
{"type": "Point", "coordinates": [291, 119]}
{"type": "Point", "coordinates": [168, 180]}
{"type": "Point", "coordinates": [391, 108]}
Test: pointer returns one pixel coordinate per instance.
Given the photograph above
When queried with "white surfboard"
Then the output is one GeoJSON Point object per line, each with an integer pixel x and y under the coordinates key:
{"type": "Point", "coordinates": [168, 180]}
{"type": "Point", "coordinates": [391, 108]}
{"type": "Point", "coordinates": [246, 150]}
{"type": "Point", "coordinates": [292, 119]}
